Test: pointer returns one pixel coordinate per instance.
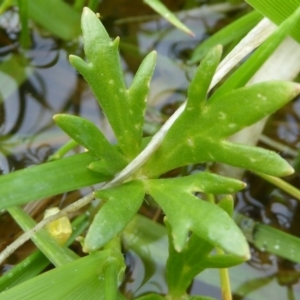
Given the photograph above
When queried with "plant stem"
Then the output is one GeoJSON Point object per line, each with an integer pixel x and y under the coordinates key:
{"type": "Point", "coordinates": [63, 150]}
{"type": "Point", "coordinates": [288, 188]}
{"type": "Point", "coordinates": [225, 280]}
{"type": "Point", "coordinates": [224, 275]}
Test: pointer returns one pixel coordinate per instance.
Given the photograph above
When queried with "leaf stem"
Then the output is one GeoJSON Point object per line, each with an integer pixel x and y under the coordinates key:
{"type": "Point", "coordinates": [288, 188]}
{"type": "Point", "coordinates": [225, 280]}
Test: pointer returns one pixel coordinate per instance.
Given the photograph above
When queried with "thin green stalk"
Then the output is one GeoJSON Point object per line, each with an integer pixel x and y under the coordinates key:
{"type": "Point", "coordinates": [93, 4]}
{"type": "Point", "coordinates": [25, 36]}
{"type": "Point", "coordinates": [290, 293]}
{"type": "Point", "coordinates": [78, 5]}
{"type": "Point", "coordinates": [288, 188]}
{"type": "Point", "coordinates": [63, 150]}
{"type": "Point", "coordinates": [225, 280]}
{"type": "Point", "coordinates": [224, 275]}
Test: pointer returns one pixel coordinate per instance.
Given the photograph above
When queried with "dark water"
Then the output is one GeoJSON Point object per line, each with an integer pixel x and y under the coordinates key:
{"type": "Point", "coordinates": [40, 83]}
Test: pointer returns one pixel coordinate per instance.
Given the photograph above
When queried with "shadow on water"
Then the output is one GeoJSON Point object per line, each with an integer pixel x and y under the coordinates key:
{"type": "Point", "coordinates": [39, 82]}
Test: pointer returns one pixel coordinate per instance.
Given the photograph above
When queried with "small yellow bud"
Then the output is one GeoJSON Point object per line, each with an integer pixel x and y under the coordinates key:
{"type": "Point", "coordinates": [59, 229]}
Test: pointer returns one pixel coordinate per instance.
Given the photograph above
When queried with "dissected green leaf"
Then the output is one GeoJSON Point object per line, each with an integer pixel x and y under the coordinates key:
{"type": "Point", "coordinates": [278, 11]}
{"type": "Point", "coordinates": [89, 136]}
{"type": "Point", "coordinates": [202, 133]}
{"type": "Point", "coordinates": [168, 15]}
{"type": "Point", "coordinates": [81, 279]}
{"type": "Point", "coordinates": [122, 204]}
{"type": "Point", "coordinates": [41, 181]}
{"type": "Point", "coordinates": [195, 257]}
{"type": "Point", "coordinates": [186, 212]}
{"type": "Point", "coordinates": [103, 72]}
{"type": "Point", "coordinates": [227, 34]}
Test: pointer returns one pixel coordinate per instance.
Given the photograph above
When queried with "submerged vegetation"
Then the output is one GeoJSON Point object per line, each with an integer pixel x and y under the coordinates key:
{"type": "Point", "coordinates": [223, 98]}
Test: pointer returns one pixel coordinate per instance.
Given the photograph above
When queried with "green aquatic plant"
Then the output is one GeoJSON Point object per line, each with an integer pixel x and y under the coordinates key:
{"type": "Point", "coordinates": [132, 167]}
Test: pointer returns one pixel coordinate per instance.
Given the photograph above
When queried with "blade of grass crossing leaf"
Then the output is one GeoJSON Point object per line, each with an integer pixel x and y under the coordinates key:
{"type": "Point", "coordinates": [161, 9]}
{"type": "Point", "coordinates": [229, 33]}
{"type": "Point", "coordinates": [277, 11]}
{"type": "Point", "coordinates": [37, 261]}
{"type": "Point", "coordinates": [244, 73]}
{"type": "Point", "coordinates": [58, 255]}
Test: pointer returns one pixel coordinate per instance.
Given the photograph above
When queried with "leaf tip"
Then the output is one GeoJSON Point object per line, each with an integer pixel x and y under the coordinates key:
{"type": "Point", "coordinates": [288, 171]}
{"type": "Point", "coordinates": [86, 11]}
{"type": "Point", "coordinates": [191, 33]}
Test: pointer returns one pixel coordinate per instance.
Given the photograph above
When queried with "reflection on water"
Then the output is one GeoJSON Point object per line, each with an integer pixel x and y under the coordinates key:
{"type": "Point", "coordinates": [39, 82]}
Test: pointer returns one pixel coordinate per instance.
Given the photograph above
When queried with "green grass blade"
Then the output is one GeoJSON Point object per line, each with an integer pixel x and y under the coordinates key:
{"type": "Point", "coordinates": [45, 180]}
{"type": "Point", "coordinates": [56, 16]}
{"type": "Point", "coordinates": [58, 255]}
{"type": "Point", "coordinates": [28, 268]}
{"type": "Point", "coordinates": [37, 261]}
{"type": "Point", "coordinates": [80, 279]}
{"type": "Point", "coordinates": [277, 11]}
{"type": "Point", "coordinates": [161, 9]}
{"type": "Point", "coordinates": [243, 74]}
{"type": "Point", "coordinates": [269, 239]}
{"type": "Point", "coordinates": [233, 31]}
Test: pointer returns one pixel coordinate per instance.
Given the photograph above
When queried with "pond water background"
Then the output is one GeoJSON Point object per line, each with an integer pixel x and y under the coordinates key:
{"type": "Point", "coordinates": [41, 83]}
